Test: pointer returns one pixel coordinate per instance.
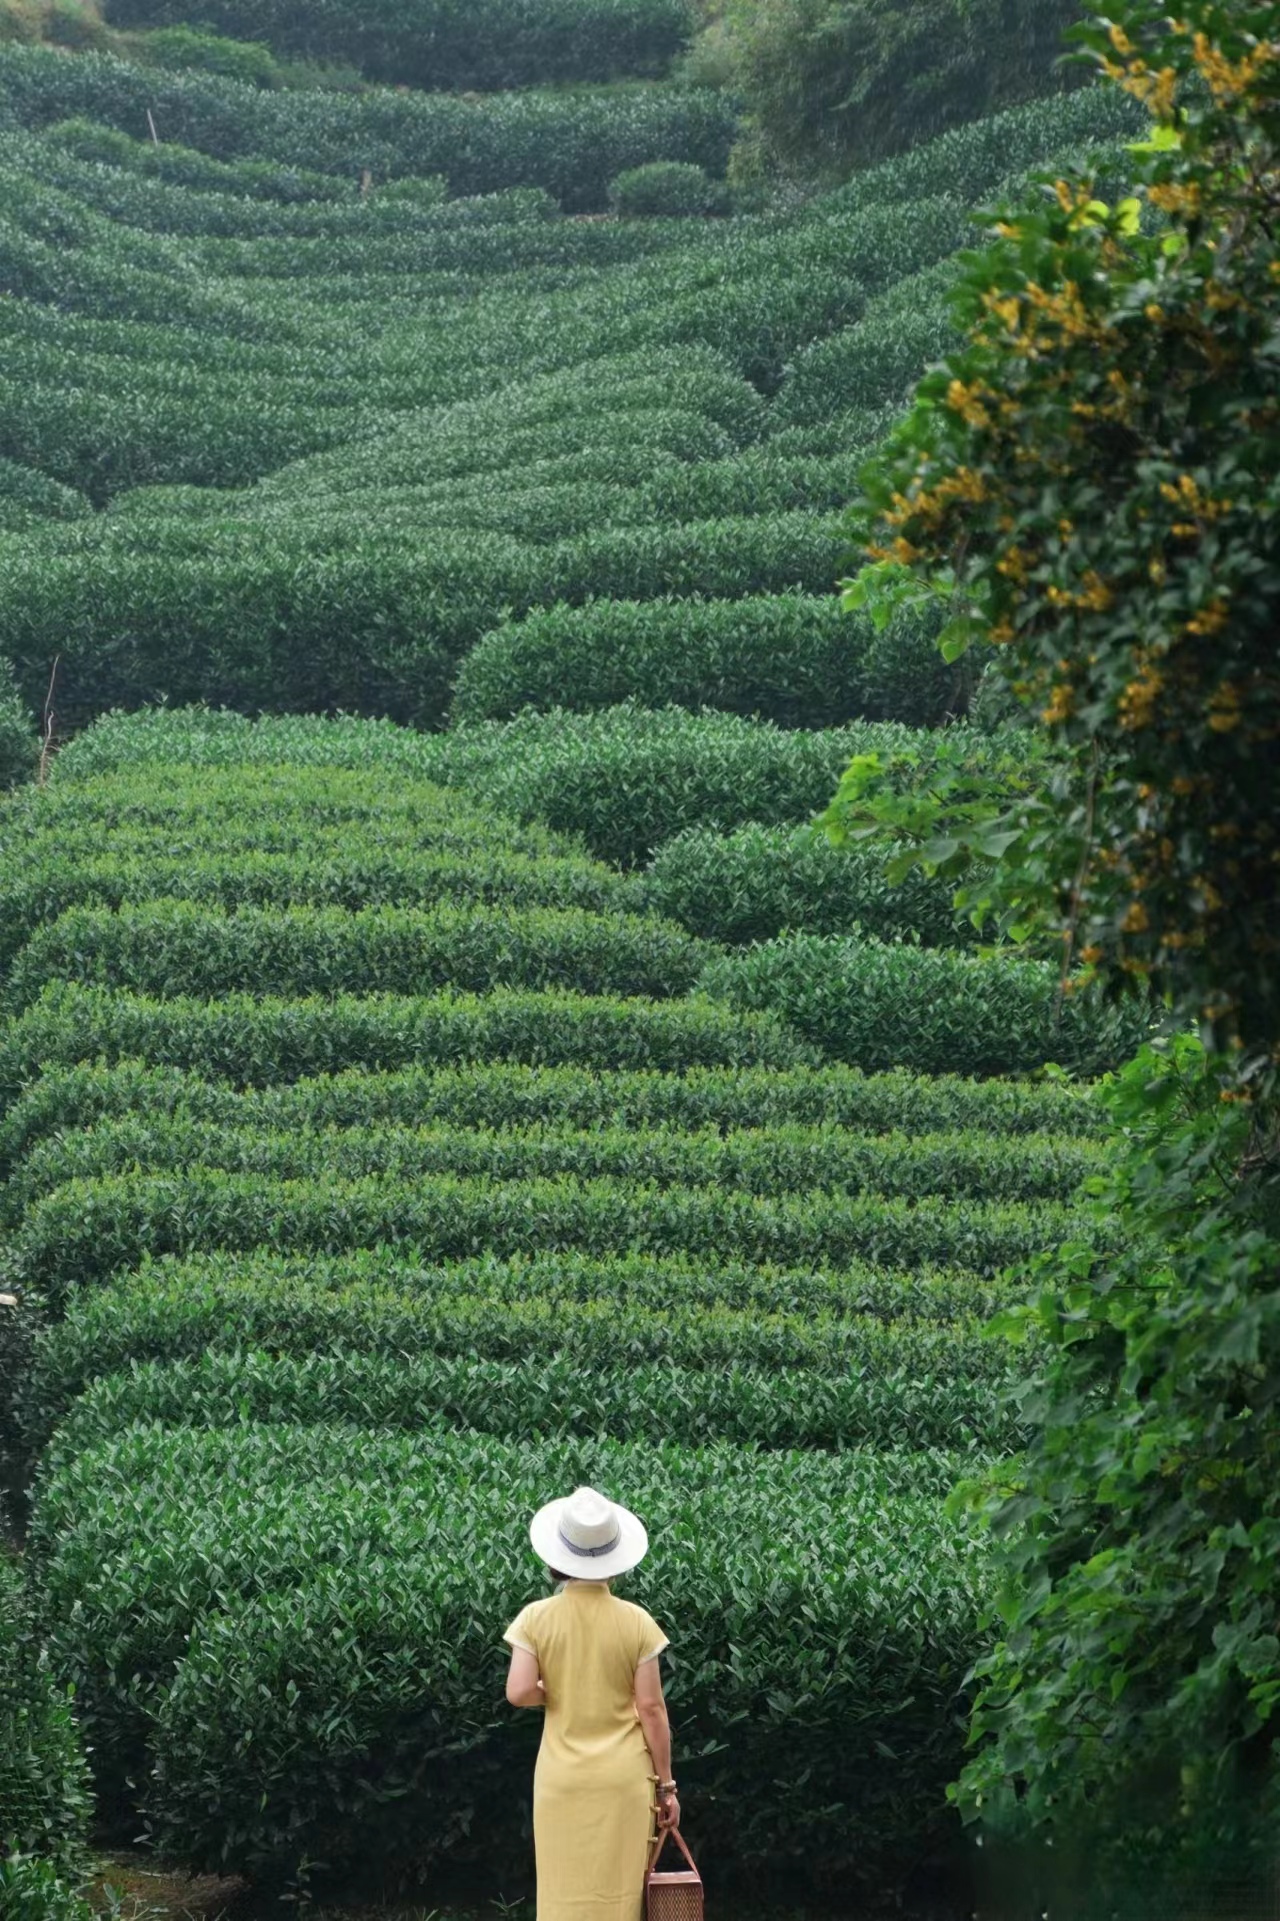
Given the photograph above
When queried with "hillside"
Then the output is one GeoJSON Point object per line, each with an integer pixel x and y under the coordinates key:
{"type": "Point", "coordinates": [438, 1063]}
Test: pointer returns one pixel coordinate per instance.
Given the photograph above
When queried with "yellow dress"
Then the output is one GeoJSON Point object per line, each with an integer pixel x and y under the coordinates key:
{"type": "Point", "coordinates": [593, 1784]}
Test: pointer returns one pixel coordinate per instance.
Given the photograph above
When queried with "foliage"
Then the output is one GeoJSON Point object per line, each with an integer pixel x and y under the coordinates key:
{"type": "Point", "coordinates": [183, 47]}
{"type": "Point", "coordinates": [835, 84]}
{"type": "Point", "coordinates": [883, 1005]}
{"type": "Point", "coordinates": [572, 142]}
{"type": "Point", "coordinates": [1093, 473]}
{"type": "Point", "coordinates": [667, 187]}
{"type": "Point", "coordinates": [178, 947]}
{"type": "Point", "coordinates": [757, 882]}
{"type": "Point", "coordinates": [326, 1623]}
{"type": "Point", "coordinates": [494, 44]}
{"type": "Point", "coordinates": [44, 1799]}
{"type": "Point", "coordinates": [19, 748]}
{"type": "Point", "coordinates": [32, 1890]}
{"type": "Point", "coordinates": [1133, 1690]}
{"type": "Point", "coordinates": [792, 658]}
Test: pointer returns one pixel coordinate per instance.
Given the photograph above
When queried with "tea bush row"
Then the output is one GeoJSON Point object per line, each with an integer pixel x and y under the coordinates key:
{"type": "Point", "coordinates": [382, 1301]}
{"type": "Point", "coordinates": [758, 882]}
{"type": "Point", "coordinates": [280, 622]}
{"type": "Point", "coordinates": [179, 947]}
{"type": "Point", "coordinates": [883, 1005]}
{"type": "Point", "coordinates": [759, 1160]}
{"type": "Point", "coordinates": [572, 143]}
{"type": "Point", "coordinates": [506, 1097]}
{"type": "Point", "coordinates": [796, 659]}
{"type": "Point", "coordinates": [492, 45]}
{"type": "Point", "coordinates": [322, 876]}
{"type": "Point", "coordinates": [256, 1041]}
{"type": "Point", "coordinates": [912, 1389]}
{"type": "Point", "coordinates": [44, 1782]}
{"type": "Point", "coordinates": [210, 1566]}
{"type": "Point", "coordinates": [626, 779]}
{"type": "Point", "coordinates": [86, 1231]}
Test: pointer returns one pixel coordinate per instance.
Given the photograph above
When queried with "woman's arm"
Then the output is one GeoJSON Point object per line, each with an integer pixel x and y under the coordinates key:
{"type": "Point", "coordinates": [652, 1709]}
{"type": "Point", "coordinates": [524, 1684]}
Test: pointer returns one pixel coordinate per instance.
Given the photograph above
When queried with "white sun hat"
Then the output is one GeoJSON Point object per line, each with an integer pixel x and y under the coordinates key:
{"type": "Point", "coordinates": [587, 1536]}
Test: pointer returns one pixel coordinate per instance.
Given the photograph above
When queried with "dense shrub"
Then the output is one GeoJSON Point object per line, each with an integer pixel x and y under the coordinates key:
{"type": "Point", "coordinates": [28, 498]}
{"type": "Point", "coordinates": [511, 1096]}
{"type": "Point", "coordinates": [878, 1006]}
{"type": "Point", "coordinates": [757, 882]}
{"type": "Point", "coordinates": [175, 947]}
{"type": "Point", "coordinates": [31, 1888]}
{"type": "Point", "coordinates": [44, 1799]}
{"type": "Point", "coordinates": [87, 1231]}
{"type": "Point", "coordinates": [256, 1041]}
{"type": "Point", "coordinates": [336, 1622]}
{"type": "Point", "coordinates": [19, 748]}
{"type": "Point", "coordinates": [800, 660]}
{"type": "Point", "coordinates": [840, 83]}
{"type": "Point", "coordinates": [427, 43]}
{"type": "Point", "coordinates": [182, 47]}
{"type": "Point", "coordinates": [572, 143]}
{"type": "Point", "coordinates": [667, 187]}
{"type": "Point", "coordinates": [628, 779]}
{"type": "Point", "coordinates": [196, 172]}
{"type": "Point", "coordinates": [382, 1301]}
{"type": "Point", "coordinates": [760, 1160]}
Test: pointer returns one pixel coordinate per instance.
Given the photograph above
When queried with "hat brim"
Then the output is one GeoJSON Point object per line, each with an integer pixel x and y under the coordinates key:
{"type": "Point", "coordinates": [550, 1546]}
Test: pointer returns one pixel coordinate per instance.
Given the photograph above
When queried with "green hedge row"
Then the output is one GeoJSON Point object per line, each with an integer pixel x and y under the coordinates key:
{"type": "Point", "coordinates": [879, 1005]}
{"type": "Point", "coordinates": [797, 659]}
{"type": "Point", "coordinates": [29, 498]}
{"type": "Point", "coordinates": [625, 780]}
{"type": "Point", "coordinates": [299, 1620]}
{"type": "Point", "coordinates": [573, 144]}
{"type": "Point", "coordinates": [758, 882]}
{"type": "Point", "coordinates": [277, 619]}
{"type": "Point", "coordinates": [254, 1042]}
{"type": "Point", "coordinates": [630, 1307]}
{"type": "Point", "coordinates": [510, 1096]}
{"type": "Point", "coordinates": [758, 1160]}
{"type": "Point", "coordinates": [44, 1782]}
{"type": "Point", "coordinates": [87, 1231]}
{"type": "Point", "coordinates": [877, 363]}
{"type": "Point", "coordinates": [922, 1388]}
{"type": "Point", "coordinates": [182, 948]}
{"type": "Point", "coordinates": [489, 45]}
{"type": "Point", "coordinates": [976, 161]}
{"type": "Point", "coordinates": [173, 165]}
{"type": "Point", "coordinates": [356, 879]}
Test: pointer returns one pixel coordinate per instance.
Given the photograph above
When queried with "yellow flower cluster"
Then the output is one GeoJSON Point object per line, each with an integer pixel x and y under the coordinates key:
{"type": "Point", "coordinates": [1138, 701]}
{"type": "Point", "coordinates": [1228, 80]}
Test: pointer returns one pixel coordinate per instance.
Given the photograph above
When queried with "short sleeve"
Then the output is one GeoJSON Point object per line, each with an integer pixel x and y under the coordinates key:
{"type": "Point", "coordinates": [522, 1632]}
{"type": "Point", "coordinates": [651, 1638]}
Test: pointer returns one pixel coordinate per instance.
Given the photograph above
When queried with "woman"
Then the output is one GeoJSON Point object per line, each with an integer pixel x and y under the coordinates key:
{"type": "Point", "coordinates": [591, 1660]}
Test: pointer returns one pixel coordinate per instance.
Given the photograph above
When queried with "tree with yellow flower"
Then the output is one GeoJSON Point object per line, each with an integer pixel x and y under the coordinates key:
{"type": "Point", "coordinates": [1092, 483]}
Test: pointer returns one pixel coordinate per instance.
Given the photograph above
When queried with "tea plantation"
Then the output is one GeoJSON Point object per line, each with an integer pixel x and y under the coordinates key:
{"type": "Point", "coordinates": [438, 1066]}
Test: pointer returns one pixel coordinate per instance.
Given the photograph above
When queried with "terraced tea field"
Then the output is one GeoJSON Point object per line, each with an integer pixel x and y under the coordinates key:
{"type": "Point", "coordinates": [355, 1212]}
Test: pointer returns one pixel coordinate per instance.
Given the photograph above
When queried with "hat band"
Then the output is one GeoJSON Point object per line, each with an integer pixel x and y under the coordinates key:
{"type": "Point", "coordinates": [573, 1547]}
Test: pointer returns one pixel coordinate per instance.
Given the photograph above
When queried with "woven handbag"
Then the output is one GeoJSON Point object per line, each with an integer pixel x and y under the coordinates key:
{"type": "Point", "coordinates": [672, 1897]}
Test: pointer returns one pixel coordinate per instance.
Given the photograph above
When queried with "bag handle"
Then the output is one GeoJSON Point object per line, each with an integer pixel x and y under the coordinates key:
{"type": "Point", "coordinates": [659, 1841]}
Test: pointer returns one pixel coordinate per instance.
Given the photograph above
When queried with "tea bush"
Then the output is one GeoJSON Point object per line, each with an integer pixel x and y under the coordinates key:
{"type": "Point", "coordinates": [798, 660]}
{"type": "Point", "coordinates": [176, 947]}
{"type": "Point", "coordinates": [572, 143]}
{"type": "Point", "coordinates": [883, 1005]}
{"type": "Point", "coordinates": [495, 44]}
{"type": "Point", "coordinates": [667, 187]}
{"type": "Point", "coordinates": [758, 882]}
{"type": "Point", "coordinates": [86, 1231]}
{"type": "Point", "coordinates": [759, 1160]}
{"type": "Point", "coordinates": [19, 748]}
{"type": "Point", "coordinates": [256, 1040]}
{"type": "Point", "coordinates": [278, 1565]}
{"type": "Point", "coordinates": [511, 1096]}
{"type": "Point", "coordinates": [645, 1307]}
{"type": "Point", "coordinates": [44, 1782]}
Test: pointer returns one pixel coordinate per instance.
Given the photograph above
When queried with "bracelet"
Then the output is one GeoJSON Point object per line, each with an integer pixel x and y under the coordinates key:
{"type": "Point", "coordinates": [666, 1787]}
